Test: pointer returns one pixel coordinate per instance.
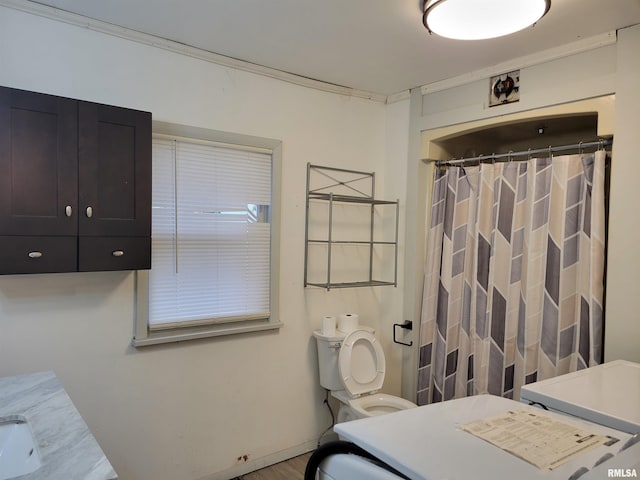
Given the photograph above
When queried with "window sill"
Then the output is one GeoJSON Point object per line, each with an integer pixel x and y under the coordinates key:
{"type": "Point", "coordinates": [185, 334]}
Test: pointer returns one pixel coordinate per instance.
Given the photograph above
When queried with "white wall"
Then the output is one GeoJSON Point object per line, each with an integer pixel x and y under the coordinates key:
{"type": "Point", "coordinates": [394, 176]}
{"type": "Point", "coordinates": [622, 328]}
{"type": "Point", "coordinates": [189, 411]}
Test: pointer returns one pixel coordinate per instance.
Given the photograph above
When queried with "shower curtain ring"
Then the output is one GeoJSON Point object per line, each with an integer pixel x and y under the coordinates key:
{"type": "Point", "coordinates": [509, 157]}
{"type": "Point", "coordinates": [493, 158]}
{"type": "Point", "coordinates": [550, 152]}
{"type": "Point", "coordinates": [580, 149]}
{"type": "Point", "coordinates": [529, 154]}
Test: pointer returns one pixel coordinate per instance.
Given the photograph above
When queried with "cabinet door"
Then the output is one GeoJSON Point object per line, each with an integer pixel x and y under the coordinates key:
{"type": "Point", "coordinates": [114, 171]}
{"type": "Point", "coordinates": [38, 164]}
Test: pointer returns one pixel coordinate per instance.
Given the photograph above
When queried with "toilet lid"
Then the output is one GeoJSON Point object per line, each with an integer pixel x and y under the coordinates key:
{"type": "Point", "coordinates": [361, 363]}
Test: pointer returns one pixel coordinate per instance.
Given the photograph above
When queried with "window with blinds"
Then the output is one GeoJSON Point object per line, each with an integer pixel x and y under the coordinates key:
{"type": "Point", "coordinates": [211, 239]}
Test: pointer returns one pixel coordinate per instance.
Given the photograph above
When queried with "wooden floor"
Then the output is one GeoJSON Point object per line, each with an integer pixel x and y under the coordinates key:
{"type": "Point", "coordinates": [292, 469]}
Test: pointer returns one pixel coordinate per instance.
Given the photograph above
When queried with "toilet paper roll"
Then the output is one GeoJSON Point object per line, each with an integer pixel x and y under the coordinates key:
{"type": "Point", "coordinates": [329, 325]}
{"type": "Point", "coordinates": [348, 322]}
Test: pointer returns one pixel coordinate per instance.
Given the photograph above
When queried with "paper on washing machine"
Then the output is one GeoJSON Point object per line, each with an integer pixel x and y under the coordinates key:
{"type": "Point", "coordinates": [535, 437]}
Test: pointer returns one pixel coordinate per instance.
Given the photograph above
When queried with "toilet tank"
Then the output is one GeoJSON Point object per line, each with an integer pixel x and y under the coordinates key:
{"type": "Point", "coordinates": [328, 352]}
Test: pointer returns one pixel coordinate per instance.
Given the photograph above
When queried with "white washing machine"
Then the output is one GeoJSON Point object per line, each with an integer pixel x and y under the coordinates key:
{"type": "Point", "coordinates": [352, 467]}
{"type": "Point", "coordinates": [608, 394]}
{"type": "Point", "coordinates": [428, 443]}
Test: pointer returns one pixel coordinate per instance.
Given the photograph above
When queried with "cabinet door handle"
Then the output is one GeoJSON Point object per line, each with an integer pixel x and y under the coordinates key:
{"type": "Point", "coordinates": [35, 254]}
{"type": "Point", "coordinates": [68, 210]}
{"type": "Point", "coordinates": [89, 212]}
{"type": "Point", "coordinates": [117, 253]}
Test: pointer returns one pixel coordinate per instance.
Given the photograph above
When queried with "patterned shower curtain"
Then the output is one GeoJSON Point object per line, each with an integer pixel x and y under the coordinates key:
{"type": "Point", "coordinates": [514, 275]}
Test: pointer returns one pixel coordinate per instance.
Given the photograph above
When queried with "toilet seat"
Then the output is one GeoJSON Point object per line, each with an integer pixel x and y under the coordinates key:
{"type": "Point", "coordinates": [379, 404]}
{"type": "Point", "coordinates": [361, 363]}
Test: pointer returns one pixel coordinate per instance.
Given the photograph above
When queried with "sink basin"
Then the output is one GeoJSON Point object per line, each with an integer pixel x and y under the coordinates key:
{"type": "Point", "coordinates": [18, 452]}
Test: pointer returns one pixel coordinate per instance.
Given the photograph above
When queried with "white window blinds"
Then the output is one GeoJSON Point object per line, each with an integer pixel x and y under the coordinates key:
{"type": "Point", "coordinates": [211, 234]}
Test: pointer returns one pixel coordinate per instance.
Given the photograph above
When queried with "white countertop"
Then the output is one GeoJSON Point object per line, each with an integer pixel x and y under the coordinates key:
{"type": "Point", "coordinates": [427, 443]}
{"type": "Point", "coordinates": [67, 448]}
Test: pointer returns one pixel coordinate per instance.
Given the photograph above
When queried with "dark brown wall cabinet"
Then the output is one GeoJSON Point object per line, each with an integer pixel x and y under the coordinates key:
{"type": "Point", "coordinates": [75, 185]}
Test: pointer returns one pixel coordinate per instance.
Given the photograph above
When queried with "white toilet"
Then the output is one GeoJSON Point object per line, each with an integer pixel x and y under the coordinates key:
{"type": "Point", "coordinates": [352, 367]}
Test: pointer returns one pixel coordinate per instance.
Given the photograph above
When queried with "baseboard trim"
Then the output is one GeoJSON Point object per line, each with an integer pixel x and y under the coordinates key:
{"type": "Point", "coordinates": [263, 462]}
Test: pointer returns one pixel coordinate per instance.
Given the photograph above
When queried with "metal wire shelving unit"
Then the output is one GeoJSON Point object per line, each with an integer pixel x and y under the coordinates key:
{"type": "Point", "coordinates": [341, 186]}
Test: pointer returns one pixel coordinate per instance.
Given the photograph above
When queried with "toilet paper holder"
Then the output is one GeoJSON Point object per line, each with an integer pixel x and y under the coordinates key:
{"type": "Point", "coordinates": [407, 325]}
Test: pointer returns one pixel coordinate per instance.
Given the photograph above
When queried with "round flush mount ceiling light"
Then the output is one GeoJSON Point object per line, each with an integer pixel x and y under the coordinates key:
{"type": "Point", "coordinates": [480, 19]}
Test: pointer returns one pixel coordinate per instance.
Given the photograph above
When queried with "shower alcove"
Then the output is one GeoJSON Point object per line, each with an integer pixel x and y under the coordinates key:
{"type": "Point", "coordinates": [564, 124]}
{"type": "Point", "coordinates": [518, 136]}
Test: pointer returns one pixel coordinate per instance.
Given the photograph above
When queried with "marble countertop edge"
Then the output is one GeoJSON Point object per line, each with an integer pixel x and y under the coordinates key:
{"type": "Point", "coordinates": [67, 448]}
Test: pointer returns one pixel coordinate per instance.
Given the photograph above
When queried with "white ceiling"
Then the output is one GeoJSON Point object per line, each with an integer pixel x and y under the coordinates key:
{"type": "Point", "coordinates": [377, 46]}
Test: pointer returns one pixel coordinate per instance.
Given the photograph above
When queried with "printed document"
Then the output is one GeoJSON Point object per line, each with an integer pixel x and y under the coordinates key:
{"type": "Point", "coordinates": [535, 437]}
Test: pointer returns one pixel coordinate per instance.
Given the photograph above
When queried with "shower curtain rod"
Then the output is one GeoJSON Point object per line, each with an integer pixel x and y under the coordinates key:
{"type": "Point", "coordinates": [508, 156]}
